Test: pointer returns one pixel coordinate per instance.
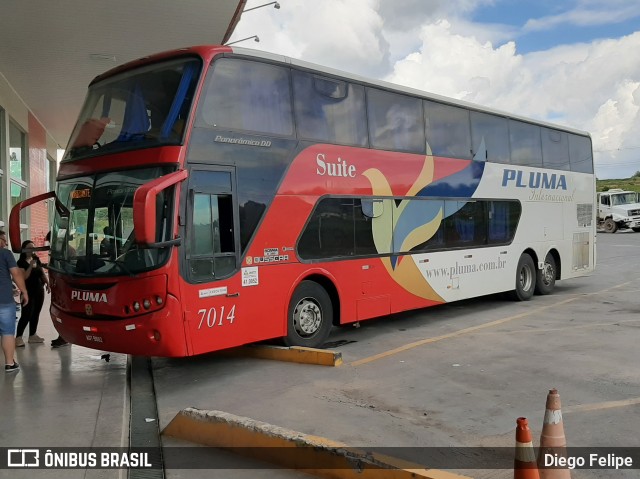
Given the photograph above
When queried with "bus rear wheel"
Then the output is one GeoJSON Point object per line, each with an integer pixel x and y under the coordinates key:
{"type": "Point", "coordinates": [310, 316]}
{"type": "Point", "coordinates": [546, 277]}
{"type": "Point", "coordinates": [525, 279]}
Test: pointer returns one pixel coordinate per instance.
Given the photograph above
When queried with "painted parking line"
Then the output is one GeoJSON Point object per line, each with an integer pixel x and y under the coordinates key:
{"type": "Point", "coordinates": [480, 327]}
{"type": "Point", "coordinates": [601, 406]}
{"type": "Point", "coordinates": [456, 334]}
{"type": "Point", "coordinates": [566, 328]}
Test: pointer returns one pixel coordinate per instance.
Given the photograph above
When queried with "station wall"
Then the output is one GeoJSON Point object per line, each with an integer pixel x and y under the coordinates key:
{"type": "Point", "coordinates": [28, 163]}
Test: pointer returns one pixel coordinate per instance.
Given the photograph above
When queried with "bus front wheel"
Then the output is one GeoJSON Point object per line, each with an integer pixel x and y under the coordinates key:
{"type": "Point", "coordinates": [310, 316]}
{"type": "Point", "coordinates": [525, 279]}
{"type": "Point", "coordinates": [546, 277]}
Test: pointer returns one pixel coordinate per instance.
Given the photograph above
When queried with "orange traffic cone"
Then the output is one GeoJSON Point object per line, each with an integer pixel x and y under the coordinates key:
{"type": "Point", "coordinates": [524, 466]}
{"type": "Point", "coordinates": [553, 445]}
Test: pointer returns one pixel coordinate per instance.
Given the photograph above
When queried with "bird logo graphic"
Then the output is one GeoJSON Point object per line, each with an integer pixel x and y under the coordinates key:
{"type": "Point", "coordinates": [415, 222]}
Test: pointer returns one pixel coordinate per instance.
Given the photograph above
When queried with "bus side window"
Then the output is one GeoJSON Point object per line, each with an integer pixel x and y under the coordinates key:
{"type": "Point", "coordinates": [247, 95]}
{"type": "Point", "coordinates": [555, 149]}
{"type": "Point", "coordinates": [526, 143]}
{"type": "Point", "coordinates": [503, 221]}
{"type": "Point", "coordinates": [494, 131]}
{"type": "Point", "coordinates": [580, 153]}
{"type": "Point", "coordinates": [448, 130]}
{"type": "Point", "coordinates": [395, 121]}
{"type": "Point", "coordinates": [329, 110]}
{"type": "Point", "coordinates": [213, 247]}
{"type": "Point", "coordinates": [330, 231]}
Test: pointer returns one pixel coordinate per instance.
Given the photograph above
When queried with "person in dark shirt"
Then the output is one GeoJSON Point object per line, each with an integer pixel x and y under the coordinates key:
{"type": "Point", "coordinates": [9, 270]}
{"type": "Point", "coordinates": [36, 280]}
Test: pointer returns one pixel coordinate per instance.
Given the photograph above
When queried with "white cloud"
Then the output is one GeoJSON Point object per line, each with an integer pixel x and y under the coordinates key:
{"type": "Point", "coordinates": [616, 117]}
{"type": "Point", "coordinates": [593, 87]}
{"type": "Point", "coordinates": [403, 15]}
{"type": "Point", "coordinates": [616, 128]}
{"type": "Point", "coordinates": [590, 86]}
{"type": "Point", "coordinates": [362, 36]}
{"type": "Point", "coordinates": [589, 13]}
{"type": "Point", "coordinates": [343, 34]}
{"type": "Point", "coordinates": [458, 66]}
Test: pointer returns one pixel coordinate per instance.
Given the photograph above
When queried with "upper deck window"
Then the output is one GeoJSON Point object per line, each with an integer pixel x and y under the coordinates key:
{"type": "Point", "coordinates": [490, 134]}
{"type": "Point", "coordinates": [144, 107]}
{"type": "Point", "coordinates": [448, 132]}
{"type": "Point", "coordinates": [395, 121]}
{"type": "Point", "coordinates": [526, 144]}
{"type": "Point", "coordinates": [555, 149]}
{"type": "Point", "coordinates": [329, 110]}
{"type": "Point", "coordinates": [580, 154]}
{"type": "Point", "coordinates": [249, 96]}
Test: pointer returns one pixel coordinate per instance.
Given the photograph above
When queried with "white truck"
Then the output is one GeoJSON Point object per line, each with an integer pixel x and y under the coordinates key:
{"type": "Point", "coordinates": [618, 209]}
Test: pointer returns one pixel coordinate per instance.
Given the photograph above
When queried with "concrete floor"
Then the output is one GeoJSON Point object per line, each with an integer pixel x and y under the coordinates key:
{"type": "Point", "coordinates": [457, 375]}
{"type": "Point", "coordinates": [66, 397]}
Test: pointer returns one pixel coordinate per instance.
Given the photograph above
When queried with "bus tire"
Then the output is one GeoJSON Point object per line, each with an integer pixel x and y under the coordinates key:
{"type": "Point", "coordinates": [610, 226]}
{"type": "Point", "coordinates": [546, 277]}
{"type": "Point", "coordinates": [525, 279]}
{"type": "Point", "coordinates": [310, 316]}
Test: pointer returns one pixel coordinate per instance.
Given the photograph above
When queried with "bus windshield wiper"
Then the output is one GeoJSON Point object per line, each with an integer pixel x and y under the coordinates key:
{"type": "Point", "coordinates": [117, 263]}
{"type": "Point", "coordinates": [62, 261]}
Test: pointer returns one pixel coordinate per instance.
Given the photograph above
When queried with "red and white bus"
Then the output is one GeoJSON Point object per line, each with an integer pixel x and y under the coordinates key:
{"type": "Point", "coordinates": [212, 197]}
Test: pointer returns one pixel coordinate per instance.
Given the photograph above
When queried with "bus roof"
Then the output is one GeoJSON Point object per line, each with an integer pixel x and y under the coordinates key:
{"type": "Point", "coordinates": [209, 51]}
{"type": "Point", "coordinates": [398, 88]}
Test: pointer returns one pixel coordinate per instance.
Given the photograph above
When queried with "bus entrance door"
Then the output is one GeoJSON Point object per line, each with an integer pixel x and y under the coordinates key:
{"type": "Point", "coordinates": [211, 258]}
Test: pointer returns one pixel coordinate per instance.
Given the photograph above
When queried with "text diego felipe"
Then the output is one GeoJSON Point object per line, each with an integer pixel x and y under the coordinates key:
{"type": "Point", "coordinates": [210, 458]}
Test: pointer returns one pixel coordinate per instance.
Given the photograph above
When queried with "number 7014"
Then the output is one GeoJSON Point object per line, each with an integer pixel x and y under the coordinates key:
{"type": "Point", "coordinates": [216, 315]}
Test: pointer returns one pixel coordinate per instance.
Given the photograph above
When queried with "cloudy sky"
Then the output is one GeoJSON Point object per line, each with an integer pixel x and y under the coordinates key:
{"type": "Point", "coordinates": [572, 62]}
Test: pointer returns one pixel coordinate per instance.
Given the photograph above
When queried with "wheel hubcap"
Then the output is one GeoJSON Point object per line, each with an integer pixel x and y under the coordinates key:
{"type": "Point", "coordinates": [526, 278]}
{"type": "Point", "coordinates": [307, 317]}
{"type": "Point", "coordinates": [547, 274]}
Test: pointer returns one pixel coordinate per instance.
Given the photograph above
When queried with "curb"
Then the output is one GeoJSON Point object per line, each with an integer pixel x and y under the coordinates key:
{"type": "Point", "coordinates": [290, 449]}
{"type": "Point", "coordinates": [294, 354]}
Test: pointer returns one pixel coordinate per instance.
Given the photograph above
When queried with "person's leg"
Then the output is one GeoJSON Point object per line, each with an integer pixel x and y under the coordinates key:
{"type": "Point", "coordinates": [25, 317]}
{"type": "Point", "coordinates": [8, 348]}
{"type": "Point", "coordinates": [8, 330]}
{"type": "Point", "coordinates": [58, 342]}
{"type": "Point", "coordinates": [35, 314]}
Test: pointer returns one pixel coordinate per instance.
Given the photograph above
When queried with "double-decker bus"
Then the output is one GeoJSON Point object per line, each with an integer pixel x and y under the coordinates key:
{"type": "Point", "coordinates": [211, 197]}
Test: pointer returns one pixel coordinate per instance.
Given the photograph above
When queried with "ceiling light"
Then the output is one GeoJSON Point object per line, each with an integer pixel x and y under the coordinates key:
{"type": "Point", "coordinates": [276, 5]}
{"type": "Point", "coordinates": [255, 39]}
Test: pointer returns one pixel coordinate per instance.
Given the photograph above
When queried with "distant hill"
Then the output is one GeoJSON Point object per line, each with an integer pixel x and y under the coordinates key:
{"type": "Point", "coordinates": [631, 184]}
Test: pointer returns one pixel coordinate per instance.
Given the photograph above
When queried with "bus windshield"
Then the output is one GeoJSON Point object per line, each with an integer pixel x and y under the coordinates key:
{"type": "Point", "coordinates": [141, 108]}
{"type": "Point", "coordinates": [93, 233]}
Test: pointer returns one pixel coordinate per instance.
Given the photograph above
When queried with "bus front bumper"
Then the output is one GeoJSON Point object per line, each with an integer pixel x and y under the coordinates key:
{"type": "Point", "coordinates": [160, 333]}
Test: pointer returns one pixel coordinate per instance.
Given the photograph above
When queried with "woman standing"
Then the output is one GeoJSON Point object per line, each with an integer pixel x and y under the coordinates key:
{"type": "Point", "coordinates": [35, 280]}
